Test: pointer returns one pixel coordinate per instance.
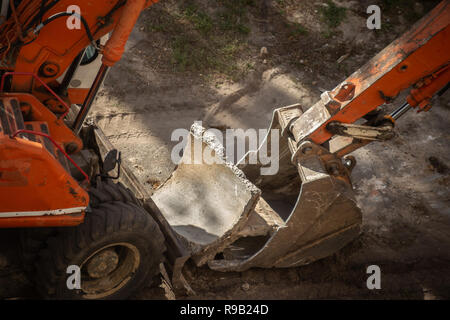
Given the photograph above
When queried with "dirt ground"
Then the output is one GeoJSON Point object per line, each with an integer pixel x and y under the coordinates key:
{"type": "Point", "coordinates": [404, 196]}
{"type": "Point", "coordinates": [201, 60]}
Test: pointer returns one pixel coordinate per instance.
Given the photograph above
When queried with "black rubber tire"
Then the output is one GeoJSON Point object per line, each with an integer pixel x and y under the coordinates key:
{"type": "Point", "coordinates": [116, 217]}
{"type": "Point", "coordinates": [34, 240]}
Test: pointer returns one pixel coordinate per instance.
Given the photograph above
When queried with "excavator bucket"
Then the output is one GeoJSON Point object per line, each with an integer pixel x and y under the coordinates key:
{"type": "Point", "coordinates": [233, 218]}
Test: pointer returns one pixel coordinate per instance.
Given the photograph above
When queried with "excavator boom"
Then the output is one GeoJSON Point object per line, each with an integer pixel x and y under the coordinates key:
{"type": "Point", "coordinates": [54, 168]}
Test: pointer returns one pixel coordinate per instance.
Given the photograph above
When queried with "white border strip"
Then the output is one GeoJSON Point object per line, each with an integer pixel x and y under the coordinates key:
{"type": "Point", "coordinates": [56, 212]}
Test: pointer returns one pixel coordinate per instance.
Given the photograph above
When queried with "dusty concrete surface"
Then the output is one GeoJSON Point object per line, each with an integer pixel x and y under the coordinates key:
{"type": "Point", "coordinates": [402, 185]}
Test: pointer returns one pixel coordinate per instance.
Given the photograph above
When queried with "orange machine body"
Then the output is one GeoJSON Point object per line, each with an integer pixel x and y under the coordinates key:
{"type": "Point", "coordinates": [36, 185]}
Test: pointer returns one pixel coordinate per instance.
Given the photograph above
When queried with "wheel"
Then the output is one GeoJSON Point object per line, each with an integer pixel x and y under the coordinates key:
{"type": "Point", "coordinates": [118, 249]}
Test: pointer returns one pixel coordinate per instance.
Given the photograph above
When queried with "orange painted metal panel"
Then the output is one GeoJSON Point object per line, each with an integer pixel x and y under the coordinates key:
{"type": "Point", "coordinates": [77, 95]}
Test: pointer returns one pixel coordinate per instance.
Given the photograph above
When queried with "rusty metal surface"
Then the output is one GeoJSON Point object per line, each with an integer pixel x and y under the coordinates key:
{"type": "Point", "coordinates": [323, 218]}
{"type": "Point", "coordinates": [420, 53]}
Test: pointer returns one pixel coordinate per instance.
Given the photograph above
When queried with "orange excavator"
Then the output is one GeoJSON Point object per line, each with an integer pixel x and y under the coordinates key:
{"type": "Point", "coordinates": [64, 186]}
